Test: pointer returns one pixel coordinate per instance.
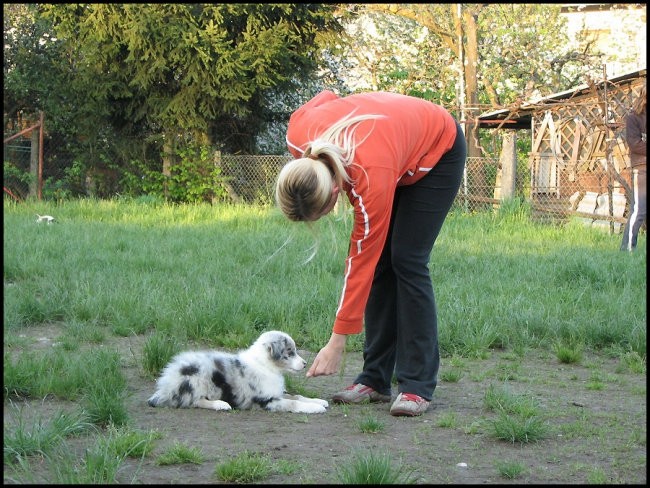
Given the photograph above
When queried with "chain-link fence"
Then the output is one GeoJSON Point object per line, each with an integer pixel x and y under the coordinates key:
{"type": "Point", "coordinates": [251, 178]}
{"type": "Point", "coordinates": [598, 199]}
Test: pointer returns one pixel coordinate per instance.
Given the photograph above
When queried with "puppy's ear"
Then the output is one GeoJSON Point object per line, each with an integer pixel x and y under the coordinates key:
{"type": "Point", "coordinates": [276, 349]}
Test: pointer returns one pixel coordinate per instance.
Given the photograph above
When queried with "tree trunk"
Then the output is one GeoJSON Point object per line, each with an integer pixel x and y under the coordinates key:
{"type": "Point", "coordinates": [471, 83]}
{"type": "Point", "coordinates": [168, 162]}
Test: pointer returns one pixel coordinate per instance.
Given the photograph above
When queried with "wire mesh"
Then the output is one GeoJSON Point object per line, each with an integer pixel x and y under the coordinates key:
{"type": "Point", "coordinates": [556, 187]}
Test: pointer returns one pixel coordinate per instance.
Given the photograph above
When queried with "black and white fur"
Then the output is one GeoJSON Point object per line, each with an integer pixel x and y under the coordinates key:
{"type": "Point", "coordinates": [220, 380]}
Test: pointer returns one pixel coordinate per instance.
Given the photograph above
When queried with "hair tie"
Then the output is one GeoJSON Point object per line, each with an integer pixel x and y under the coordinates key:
{"type": "Point", "coordinates": [308, 154]}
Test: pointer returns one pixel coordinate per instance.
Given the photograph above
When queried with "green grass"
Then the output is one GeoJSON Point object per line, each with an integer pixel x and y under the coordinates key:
{"type": "Point", "coordinates": [28, 438]}
{"type": "Point", "coordinates": [632, 362]}
{"type": "Point", "coordinates": [568, 354]}
{"type": "Point", "coordinates": [502, 399]}
{"type": "Point", "coordinates": [246, 467]}
{"type": "Point", "coordinates": [44, 444]}
{"type": "Point", "coordinates": [127, 442]}
{"type": "Point", "coordinates": [447, 420]}
{"type": "Point", "coordinates": [518, 416]}
{"type": "Point", "coordinates": [157, 351]}
{"type": "Point", "coordinates": [94, 378]}
{"type": "Point", "coordinates": [515, 428]}
{"type": "Point", "coordinates": [452, 375]}
{"type": "Point", "coordinates": [216, 276]}
{"type": "Point", "coordinates": [374, 468]}
{"type": "Point", "coordinates": [510, 469]}
{"type": "Point", "coordinates": [251, 467]}
{"type": "Point", "coordinates": [370, 424]}
{"type": "Point", "coordinates": [180, 454]}
{"type": "Point", "coordinates": [211, 274]}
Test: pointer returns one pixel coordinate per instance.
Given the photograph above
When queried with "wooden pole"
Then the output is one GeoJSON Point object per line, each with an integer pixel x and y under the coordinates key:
{"type": "Point", "coordinates": [508, 165]}
{"type": "Point", "coordinates": [608, 155]}
{"type": "Point", "coordinates": [41, 130]}
{"type": "Point", "coordinates": [33, 164]}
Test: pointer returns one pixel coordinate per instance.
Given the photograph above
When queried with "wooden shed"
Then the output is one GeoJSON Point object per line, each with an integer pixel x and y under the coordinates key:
{"type": "Point", "coordinates": [579, 160]}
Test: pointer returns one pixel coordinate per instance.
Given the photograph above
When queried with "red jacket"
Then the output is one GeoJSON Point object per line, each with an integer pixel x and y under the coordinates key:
{"type": "Point", "coordinates": [397, 150]}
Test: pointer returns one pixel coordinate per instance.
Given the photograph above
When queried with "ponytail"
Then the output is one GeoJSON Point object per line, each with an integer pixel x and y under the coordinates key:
{"type": "Point", "coordinates": [304, 186]}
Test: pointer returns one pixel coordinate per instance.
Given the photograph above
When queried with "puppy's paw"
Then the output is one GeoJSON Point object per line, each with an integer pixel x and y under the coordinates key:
{"type": "Point", "coordinates": [310, 408]}
{"type": "Point", "coordinates": [221, 405]}
{"type": "Point", "coordinates": [212, 404]}
{"type": "Point", "coordinates": [320, 401]}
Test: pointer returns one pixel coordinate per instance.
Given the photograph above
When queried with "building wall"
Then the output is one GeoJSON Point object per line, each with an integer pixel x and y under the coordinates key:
{"type": "Point", "coordinates": [618, 30]}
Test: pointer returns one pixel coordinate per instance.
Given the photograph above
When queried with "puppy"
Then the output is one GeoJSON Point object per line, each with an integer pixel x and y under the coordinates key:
{"type": "Point", "coordinates": [221, 381]}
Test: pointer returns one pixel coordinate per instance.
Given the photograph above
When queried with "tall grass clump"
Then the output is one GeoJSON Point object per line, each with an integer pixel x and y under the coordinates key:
{"type": "Point", "coordinates": [99, 465]}
{"type": "Point", "coordinates": [157, 351]}
{"type": "Point", "coordinates": [510, 469]}
{"type": "Point", "coordinates": [519, 429]}
{"type": "Point", "coordinates": [518, 418]}
{"type": "Point", "coordinates": [246, 467]}
{"type": "Point", "coordinates": [501, 399]}
{"type": "Point", "coordinates": [180, 454]}
{"type": "Point", "coordinates": [568, 353]}
{"type": "Point", "coordinates": [374, 468]}
{"type": "Point", "coordinates": [95, 378]}
{"type": "Point", "coordinates": [370, 424]}
{"type": "Point", "coordinates": [514, 210]}
{"type": "Point", "coordinates": [23, 438]}
{"type": "Point", "coordinates": [53, 372]}
{"type": "Point", "coordinates": [127, 442]}
{"type": "Point", "coordinates": [106, 389]}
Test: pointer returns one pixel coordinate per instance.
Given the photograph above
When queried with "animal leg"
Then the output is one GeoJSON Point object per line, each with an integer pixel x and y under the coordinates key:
{"type": "Point", "coordinates": [212, 404]}
{"type": "Point", "coordinates": [295, 406]}
{"type": "Point", "coordinates": [301, 398]}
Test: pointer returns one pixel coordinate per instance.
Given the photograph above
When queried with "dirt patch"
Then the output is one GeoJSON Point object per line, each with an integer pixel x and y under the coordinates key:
{"type": "Point", "coordinates": [595, 413]}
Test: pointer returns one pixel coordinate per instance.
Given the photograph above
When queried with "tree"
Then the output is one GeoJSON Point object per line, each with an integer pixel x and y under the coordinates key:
{"type": "Point", "coordinates": [498, 53]}
{"type": "Point", "coordinates": [190, 67]}
{"type": "Point", "coordinates": [386, 52]}
{"type": "Point", "coordinates": [126, 82]}
{"type": "Point", "coordinates": [516, 46]}
{"type": "Point", "coordinates": [31, 52]}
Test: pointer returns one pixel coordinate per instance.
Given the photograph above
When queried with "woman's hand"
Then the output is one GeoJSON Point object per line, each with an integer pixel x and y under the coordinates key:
{"type": "Point", "coordinates": [328, 358]}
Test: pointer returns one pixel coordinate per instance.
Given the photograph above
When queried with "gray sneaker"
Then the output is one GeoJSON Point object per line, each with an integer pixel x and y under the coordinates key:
{"type": "Point", "coordinates": [359, 393]}
{"type": "Point", "coordinates": [409, 405]}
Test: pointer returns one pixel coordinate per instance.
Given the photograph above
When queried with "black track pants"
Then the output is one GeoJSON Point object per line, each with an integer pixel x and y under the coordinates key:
{"type": "Point", "coordinates": [401, 323]}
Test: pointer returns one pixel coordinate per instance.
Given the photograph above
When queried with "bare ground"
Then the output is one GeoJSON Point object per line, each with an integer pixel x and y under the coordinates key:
{"type": "Point", "coordinates": [595, 414]}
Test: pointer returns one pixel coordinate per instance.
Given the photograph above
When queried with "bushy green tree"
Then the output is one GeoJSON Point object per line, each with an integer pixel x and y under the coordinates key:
{"type": "Point", "coordinates": [127, 85]}
{"type": "Point", "coordinates": [191, 67]}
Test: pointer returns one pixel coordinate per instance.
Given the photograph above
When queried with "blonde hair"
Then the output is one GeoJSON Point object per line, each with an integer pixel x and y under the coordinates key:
{"type": "Point", "coordinates": [304, 186]}
{"type": "Point", "coordinates": [638, 106]}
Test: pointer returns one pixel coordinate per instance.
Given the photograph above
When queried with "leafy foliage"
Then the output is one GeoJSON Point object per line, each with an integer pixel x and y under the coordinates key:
{"type": "Point", "coordinates": [183, 66]}
{"type": "Point", "coordinates": [125, 84]}
{"type": "Point", "coordinates": [124, 78]}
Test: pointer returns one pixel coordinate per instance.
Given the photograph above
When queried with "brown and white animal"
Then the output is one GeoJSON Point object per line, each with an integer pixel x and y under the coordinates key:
{"type": "Point", "coordinates": [222, 381]}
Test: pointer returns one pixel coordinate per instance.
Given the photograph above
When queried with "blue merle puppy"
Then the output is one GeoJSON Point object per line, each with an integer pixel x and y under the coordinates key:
{"type": "Point", "coordinates": [220, 380]}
